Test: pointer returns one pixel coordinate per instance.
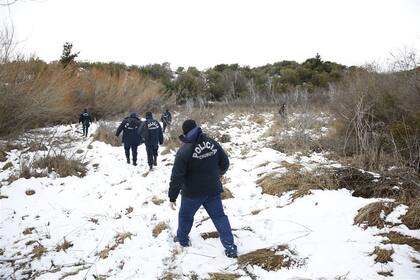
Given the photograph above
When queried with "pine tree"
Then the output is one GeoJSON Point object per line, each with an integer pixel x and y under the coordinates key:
{"type": "Point", "coordinates": [67, 57]}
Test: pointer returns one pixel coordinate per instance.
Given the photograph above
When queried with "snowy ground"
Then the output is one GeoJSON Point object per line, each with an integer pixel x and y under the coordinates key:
{"type": "Point", "coordinates": [110, 214]}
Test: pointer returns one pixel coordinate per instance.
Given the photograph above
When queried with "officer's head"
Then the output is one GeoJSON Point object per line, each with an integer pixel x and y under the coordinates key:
{"type": "Point", "coordinates": [85, 110]}
{"type": "Point", "coordinates": [133, 115]}
{"type": "Point", "coordinates": [149, 115]}
{"type": "Point", "coordinates": [188, 125]}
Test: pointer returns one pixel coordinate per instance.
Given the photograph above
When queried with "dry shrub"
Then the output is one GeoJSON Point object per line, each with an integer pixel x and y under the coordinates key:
{"type": "Point", "coordinates": [382, 255]}
{"type": "Point", "coordinates": [300, 182]}
{"type": "Point", "coordinates": [37, 93]}
{"type": "Point", "coordinates": [159, 228]}
{"type": "Point", "coordinates": [106, 133]}
{"type": "Point", "coordinates": [62, 165]}
{"type": "Point", "coordinates": [401, 239]}
{"type": "Point", "coordinates": [38, 251]}
{"type": "Point", "coordinates": [118, 240]}
{"type": "Point", "coordinates": [63, 246]}
{"type": "Point", "coordinates": [271, 259]}
{"type": "Point", "coordinates": [223, 276]}
{"type": "Point", "coordinates": [412, 218]}
{"type": "Point", "coordinates": [374, 214]}
{"type": "Point", "coordinates": [226, 194]}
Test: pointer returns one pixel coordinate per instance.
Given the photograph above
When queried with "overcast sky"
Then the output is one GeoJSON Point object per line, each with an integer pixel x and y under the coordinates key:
{"type": "Point", "coordinates": [204, 33]}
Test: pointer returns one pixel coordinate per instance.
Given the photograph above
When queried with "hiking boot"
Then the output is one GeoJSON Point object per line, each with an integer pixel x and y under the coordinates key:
{"type": "Point", "coordinates": [155, 162]}
{"type": "Point", "coordinates": [128, 161]}
{"type": "Point", "coordinates": [134, 163]}
{"type": "Point", "coordinates": [183, 244]}
{"type": "Point", "coordinates": [231, 251]}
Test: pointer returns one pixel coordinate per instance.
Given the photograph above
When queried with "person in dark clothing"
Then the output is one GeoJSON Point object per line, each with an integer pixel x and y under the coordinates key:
{"type": "Point", "coordinates": [152, 135]}
{"type": "Point", "coordinates": [86, 119]}
{"type": "Point", "coordinates": [199, 164]}
{"type": "Point", "coordinates": [282, 110]}
{"type": "Point", "coordinates": [166, 119]}
{"type": "Point", "coordinates": [131, 137]}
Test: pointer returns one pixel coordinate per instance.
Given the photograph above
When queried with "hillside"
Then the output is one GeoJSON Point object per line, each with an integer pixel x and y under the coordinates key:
{"type": "Point", "coordinates": [294, 214]}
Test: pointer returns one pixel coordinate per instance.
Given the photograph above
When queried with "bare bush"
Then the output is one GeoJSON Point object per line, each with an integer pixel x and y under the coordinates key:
{"type": "Point", "coordinates": [106, 133]}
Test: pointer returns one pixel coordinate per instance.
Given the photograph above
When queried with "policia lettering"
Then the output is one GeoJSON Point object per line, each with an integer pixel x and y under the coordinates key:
{"type": "Point", "coordinates": [204, 146]}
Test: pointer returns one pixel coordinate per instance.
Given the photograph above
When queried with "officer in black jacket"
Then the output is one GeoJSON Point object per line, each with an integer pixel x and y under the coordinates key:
{"type": "Point", "coordinates": [166, 119]}
{"type": "Point", "coordinates": [86, 119]}
{"type": "Point", "coordinates": [131, 137]}
{"type": "Point", "coordinates": [152, 135]}
{"type": "Point", "coordinates": [199, 164]}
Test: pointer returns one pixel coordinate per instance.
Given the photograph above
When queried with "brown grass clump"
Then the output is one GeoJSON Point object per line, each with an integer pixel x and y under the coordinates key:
{"type": "Point", "coordinates": [226, 194]}
{"type": "Point", "coordinates": [271, 259]}
{"type": "Point", "coordinates": [400, 239]}
{"type": "Point", "coordinates": [36, 146]}
{"type": "Point", "coordinates": [119, 239]}
{"type": "Point", "coordinates": [374, 214]}
{"type": "Point", "coordinates": [223, 276]}
{"type": "Point", "coordinates": [382, 255]}
{"type": "Point", "coordinates": [292, 166]}
{"type": "Point", "coordinates": [38, 251]}
{"type": "Point", "coordinates": [28, 231]}
{"type": "Point", "coordinates": [301, 183]}
{"type": "Point", "coordinates": [61, 165]}
{"type": "Point", "coordinates": [29, 192]}
{"type": "Point", "coordinates": [211, 234]}
{"type": "Point", "coordinates": [3, 156]}
{"type": "Point", "coordinates": [106, 133]}
{"type": "Point", "coordinates": [157, 201]}
{"type": "Point", "coordinates": [159, 228]}
{"type": "Point", "coordinates": [412, 218]}
{"type": "Point", "coordinates": [386, 273]}
{"type": "Point", "coordinates": [129, 210]}
{"type": "Point", "coordinates": [63, 246]}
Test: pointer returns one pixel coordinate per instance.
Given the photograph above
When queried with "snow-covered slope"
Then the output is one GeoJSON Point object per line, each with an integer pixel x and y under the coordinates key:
{"type": "Point", "coordinates": [108, 218]}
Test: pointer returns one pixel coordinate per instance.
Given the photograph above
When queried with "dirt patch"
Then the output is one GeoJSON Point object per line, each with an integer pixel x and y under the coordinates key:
{"type": "Point", "coordinates": [271, 259]}
{"type": "Point", "coordinates": [159, 228]}
{"type": "Point", "coordinates": [29, 192]}
{"type": "Point", "coordinates": [382, 255]}
{"type": "Point", "coordinates": [374, 214]}
{"type": "Point", "coordinates": [300, 182]}
{"type": "Point", "coordinates": [397, 238]}
{"type": "Point", "coordinates": [412, 218]}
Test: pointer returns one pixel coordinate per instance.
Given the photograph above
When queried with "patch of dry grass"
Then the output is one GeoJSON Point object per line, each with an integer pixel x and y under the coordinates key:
{"type": "Point", "coordinates": [28, 231]}
{"type": "Point", "coordinates": [271, 259]}
{"type": "Point", "coordinates": [412, 218]}
{"type": "Point", "coordinates": [157, 201]}
{"type": "Point", "coordinates": [106, 133]}
{"type": "Point", "coordinates": [63, 246]}
{"type": "Point", "coordinates": [7, 165]}
{"type": "Point", "coordinates": [159, 228]}
{"type": "Point", "coordinates": [226, 194]}
{"type": "Point", "coordinates": [382, 255]}
{"type": "Point", "coordinates": [3, 155]}
{"type": "Point", "coordinates": [62, 165]}
{"type": "Point", "coordinates": [386, 273]}
{"type": "Point", "coordinates": [300, 182]}
{"type": "Point", "coordinates": [397, 238]}
{"type": "Point", "coordinates": [118, 240]}
{"type": "Point", "coordinates": [223, 276]}
{"type": "Point", "coordinates": [374, 214]}
{"type": "Point", "coordinates": [38, 251]}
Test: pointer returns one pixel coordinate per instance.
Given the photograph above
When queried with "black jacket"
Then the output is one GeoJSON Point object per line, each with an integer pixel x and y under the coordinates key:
{"type": "Point", "coordinates": [85, 118]}
{"type": "Point", "coordinates": [130, 127]}
{"type": "Point", "coordinates": [166, 117]}
{"type": "Point", "coordinates": [153, 134]}
{"type": "Point", "coordinates": [199, 163]}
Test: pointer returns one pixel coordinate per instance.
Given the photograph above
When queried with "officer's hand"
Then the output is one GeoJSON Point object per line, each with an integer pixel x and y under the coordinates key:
{"type": "Point", "coordinates": [172, 205]}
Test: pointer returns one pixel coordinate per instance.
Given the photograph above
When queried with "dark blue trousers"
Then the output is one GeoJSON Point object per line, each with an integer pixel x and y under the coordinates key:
{"type": "Point", "coordinates": [214, 208]}
{"type": "Point", "coordinates": [133, 147]}
{"type": "Point", "coordinates": [152, 153]}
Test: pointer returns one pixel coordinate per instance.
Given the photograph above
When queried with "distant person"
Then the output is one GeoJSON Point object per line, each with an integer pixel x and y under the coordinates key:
{"type": "Point", "coordinates": [86, 119]}
{"type": "Point", "coordinates": [199, 164]}
{"type": "Point", "coordinates": [282, 110]}
{"type": "Point", "coordinates": [131, 137]}
{"type": "Point", "coordinates": [152, 135]}
{"type": "Point", "coordinates": [166, 119]}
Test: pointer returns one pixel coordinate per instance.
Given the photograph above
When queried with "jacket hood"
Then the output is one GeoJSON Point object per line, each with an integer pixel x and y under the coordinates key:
{"type": "Point", "coordinates": [191, 136]}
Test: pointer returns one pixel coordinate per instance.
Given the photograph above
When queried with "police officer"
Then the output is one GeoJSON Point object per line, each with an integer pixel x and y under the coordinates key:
{"type": "Point", "coordinates": [166, 119]}
{"type": "Point", "coordinates": [152, 135]}
{"type": "Point", "coordinates": [199, 164]}
{"type": "Point", "coordinates": [86, 119]}
{"type": "Point", "coordinates": [131, 137]}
